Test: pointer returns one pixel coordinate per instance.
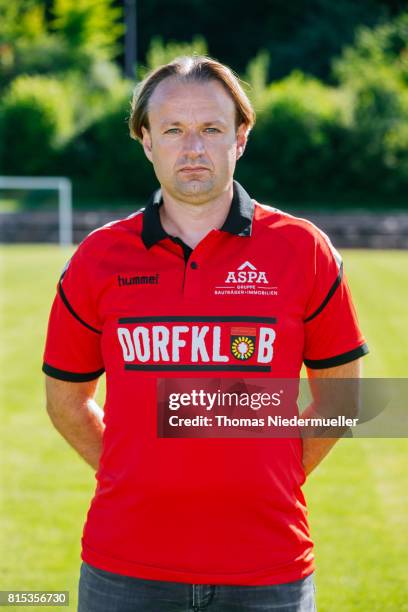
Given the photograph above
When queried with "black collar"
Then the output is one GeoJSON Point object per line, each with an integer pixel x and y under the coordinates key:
{"type": "Point", "coordinates": [238, 221]}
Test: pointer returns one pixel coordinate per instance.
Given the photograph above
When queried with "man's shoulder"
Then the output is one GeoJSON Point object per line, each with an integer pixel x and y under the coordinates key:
{"type": "Point", "coordinates": [301, 233]}
{"type": "Point", "coordinates": [117, 230]}
{"type": "Point", "coordinates": [275, 219]}
{"type": "Point", "coordinates": [98, 246]}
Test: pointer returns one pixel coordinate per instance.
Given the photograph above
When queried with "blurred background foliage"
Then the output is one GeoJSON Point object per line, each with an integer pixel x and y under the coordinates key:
{"type": "Point", "coordinates": [329, 82]}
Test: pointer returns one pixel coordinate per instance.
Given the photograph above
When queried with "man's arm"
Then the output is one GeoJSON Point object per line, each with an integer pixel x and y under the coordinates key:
{"type": "Point", "coordinates": [76, 415]}
{"type": "Point", "coordinates": [316, 448]}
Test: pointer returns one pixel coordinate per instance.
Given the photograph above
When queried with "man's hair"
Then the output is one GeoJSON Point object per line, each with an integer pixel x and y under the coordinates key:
{"type": "Point", "coordinates": [198, 68]}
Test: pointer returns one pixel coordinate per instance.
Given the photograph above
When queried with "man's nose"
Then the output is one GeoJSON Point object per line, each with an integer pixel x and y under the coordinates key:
{"type": "Point", "coordinates": [193, 144]}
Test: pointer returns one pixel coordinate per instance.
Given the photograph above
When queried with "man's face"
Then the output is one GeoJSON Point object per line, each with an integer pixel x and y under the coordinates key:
{"type": "Point", "coordinates": [193, 141]}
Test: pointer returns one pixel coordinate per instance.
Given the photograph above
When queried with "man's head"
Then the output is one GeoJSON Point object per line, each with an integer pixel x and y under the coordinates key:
{"type": "Point", "coordinates": [193, 119]}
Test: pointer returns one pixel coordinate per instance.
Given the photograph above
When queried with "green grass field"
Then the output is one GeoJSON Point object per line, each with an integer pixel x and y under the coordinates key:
{"type": "Point", "coordinates": [358, 500]}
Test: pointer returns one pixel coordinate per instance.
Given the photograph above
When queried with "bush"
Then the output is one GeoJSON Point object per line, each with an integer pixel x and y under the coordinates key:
{"type": "Point", "coordinates": [93, 96]}
{"type": "Point", "coordinates": [48, 55]}
{"type": "Point", "coordinates": [378, 139]}
{"type": "Point", "coordinates": [105, 162]}
{"type": "Point", "coordinates": [255, 80]}
{"type": "Point", "coordinates": [386, 45]}
{"type": "Point", "coordinates": [375, 73]}
{"type": "Point", "coordinates": [36, 120]}
{"type": "Point", "coordinates": [295, 149]}
{"type": "Point", "coordinates": [40, 115]}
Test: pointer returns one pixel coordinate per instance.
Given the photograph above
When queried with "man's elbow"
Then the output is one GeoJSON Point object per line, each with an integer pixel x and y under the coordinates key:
{"type": "Point", "coordinates": [69, 400]}
{"type": "Point", "coordinates": [63, 399]}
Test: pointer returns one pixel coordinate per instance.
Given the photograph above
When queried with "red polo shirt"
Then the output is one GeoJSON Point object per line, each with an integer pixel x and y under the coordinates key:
{"type": "Point", "coordinates": [140, 305]}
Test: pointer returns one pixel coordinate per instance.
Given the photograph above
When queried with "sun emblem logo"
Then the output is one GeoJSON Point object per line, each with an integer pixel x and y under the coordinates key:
{"type": "Point", "coordinates": [243, 342]}
{"type": "Point", "coordinates": [242, 347]}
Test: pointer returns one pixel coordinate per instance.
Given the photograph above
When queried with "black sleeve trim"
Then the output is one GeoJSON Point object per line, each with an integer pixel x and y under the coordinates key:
{"type": "Point", "coordinates": [328, 296]}
{"type": "Point", "coordinates": [71, 376]}
{"type": "Point", "coordinates": [72, 311]}
{"type": "Point", "coordinates": [331, 362]}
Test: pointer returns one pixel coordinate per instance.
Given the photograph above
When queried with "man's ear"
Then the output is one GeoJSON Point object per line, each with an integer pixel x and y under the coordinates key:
{"type": "Point", "coordinates": [147, 142]}
{"type": "Point", "coordinates": [242, 138]}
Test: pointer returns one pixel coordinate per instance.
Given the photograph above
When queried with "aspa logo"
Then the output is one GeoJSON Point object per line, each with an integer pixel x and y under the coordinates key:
{"type": "Point", "coordinates": [246, 280]}
{"type": "Point", "coordinates": [247, 273]}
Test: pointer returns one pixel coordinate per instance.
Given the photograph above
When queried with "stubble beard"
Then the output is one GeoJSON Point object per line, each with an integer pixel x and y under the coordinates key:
{"type": "Point", "coordinates": [195, 191]}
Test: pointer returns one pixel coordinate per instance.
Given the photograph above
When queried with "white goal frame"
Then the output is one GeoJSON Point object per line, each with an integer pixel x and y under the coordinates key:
{"type": "Point", "coordinates": [64, 187]}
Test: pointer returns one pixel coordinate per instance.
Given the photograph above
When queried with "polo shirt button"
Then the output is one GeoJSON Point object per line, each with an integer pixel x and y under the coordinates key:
{"type": "Point", "coordinates": [194, 265]}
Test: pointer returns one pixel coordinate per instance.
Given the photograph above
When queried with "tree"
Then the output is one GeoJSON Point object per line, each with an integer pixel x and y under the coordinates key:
{"type": "Point", "coordinates": [89, 25]}
{"type": "Point", "coordinates": [385, 45]}
{"type": "Point", "coordinates": [303, 34]}
{"type": "Point", "coordinates": [72, 35]}
{"type": "Point", "coordinates": [160, 53]}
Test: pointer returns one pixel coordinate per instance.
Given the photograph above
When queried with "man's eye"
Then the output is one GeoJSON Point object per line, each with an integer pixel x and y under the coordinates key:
{"type": "Point", "coordinates": [212, 130]}
{"type": "Point", "coordinates": [172, 131]}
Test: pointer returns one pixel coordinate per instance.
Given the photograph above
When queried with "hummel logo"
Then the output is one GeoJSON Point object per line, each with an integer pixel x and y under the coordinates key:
{"type": "Point", "coordinates": [138, 280]}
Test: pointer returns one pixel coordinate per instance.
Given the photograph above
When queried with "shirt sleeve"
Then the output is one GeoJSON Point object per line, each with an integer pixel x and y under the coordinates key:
{"type": "Point", "coordinates": [332, 333]}
{"type": "Point", "coordinates": [73, 346]}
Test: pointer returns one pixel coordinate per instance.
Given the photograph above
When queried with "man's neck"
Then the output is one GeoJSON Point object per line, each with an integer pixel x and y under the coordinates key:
{"type": "Point", "coordinates": [192, 222]}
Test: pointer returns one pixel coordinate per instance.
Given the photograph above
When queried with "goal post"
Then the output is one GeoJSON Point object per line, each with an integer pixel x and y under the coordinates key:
{"type": "Point", "coordinates": [60, 183]}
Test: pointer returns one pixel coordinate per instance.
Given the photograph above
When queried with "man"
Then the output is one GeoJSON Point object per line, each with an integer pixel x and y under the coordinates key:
{"type": "Point", "coordinates": [187, 523]}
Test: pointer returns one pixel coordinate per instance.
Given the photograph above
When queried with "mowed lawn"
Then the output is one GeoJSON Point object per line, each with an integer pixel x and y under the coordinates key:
{"type": "Point", "coordinates": [358, 502]}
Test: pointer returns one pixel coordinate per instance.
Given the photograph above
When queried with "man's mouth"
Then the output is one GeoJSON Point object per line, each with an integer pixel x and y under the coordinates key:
{"type": "Point", "coordinates": [192, 169]}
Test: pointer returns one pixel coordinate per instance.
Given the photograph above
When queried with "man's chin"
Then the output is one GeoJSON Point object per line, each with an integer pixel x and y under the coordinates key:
{"type": "Point", "coordinates": [195, 188]}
